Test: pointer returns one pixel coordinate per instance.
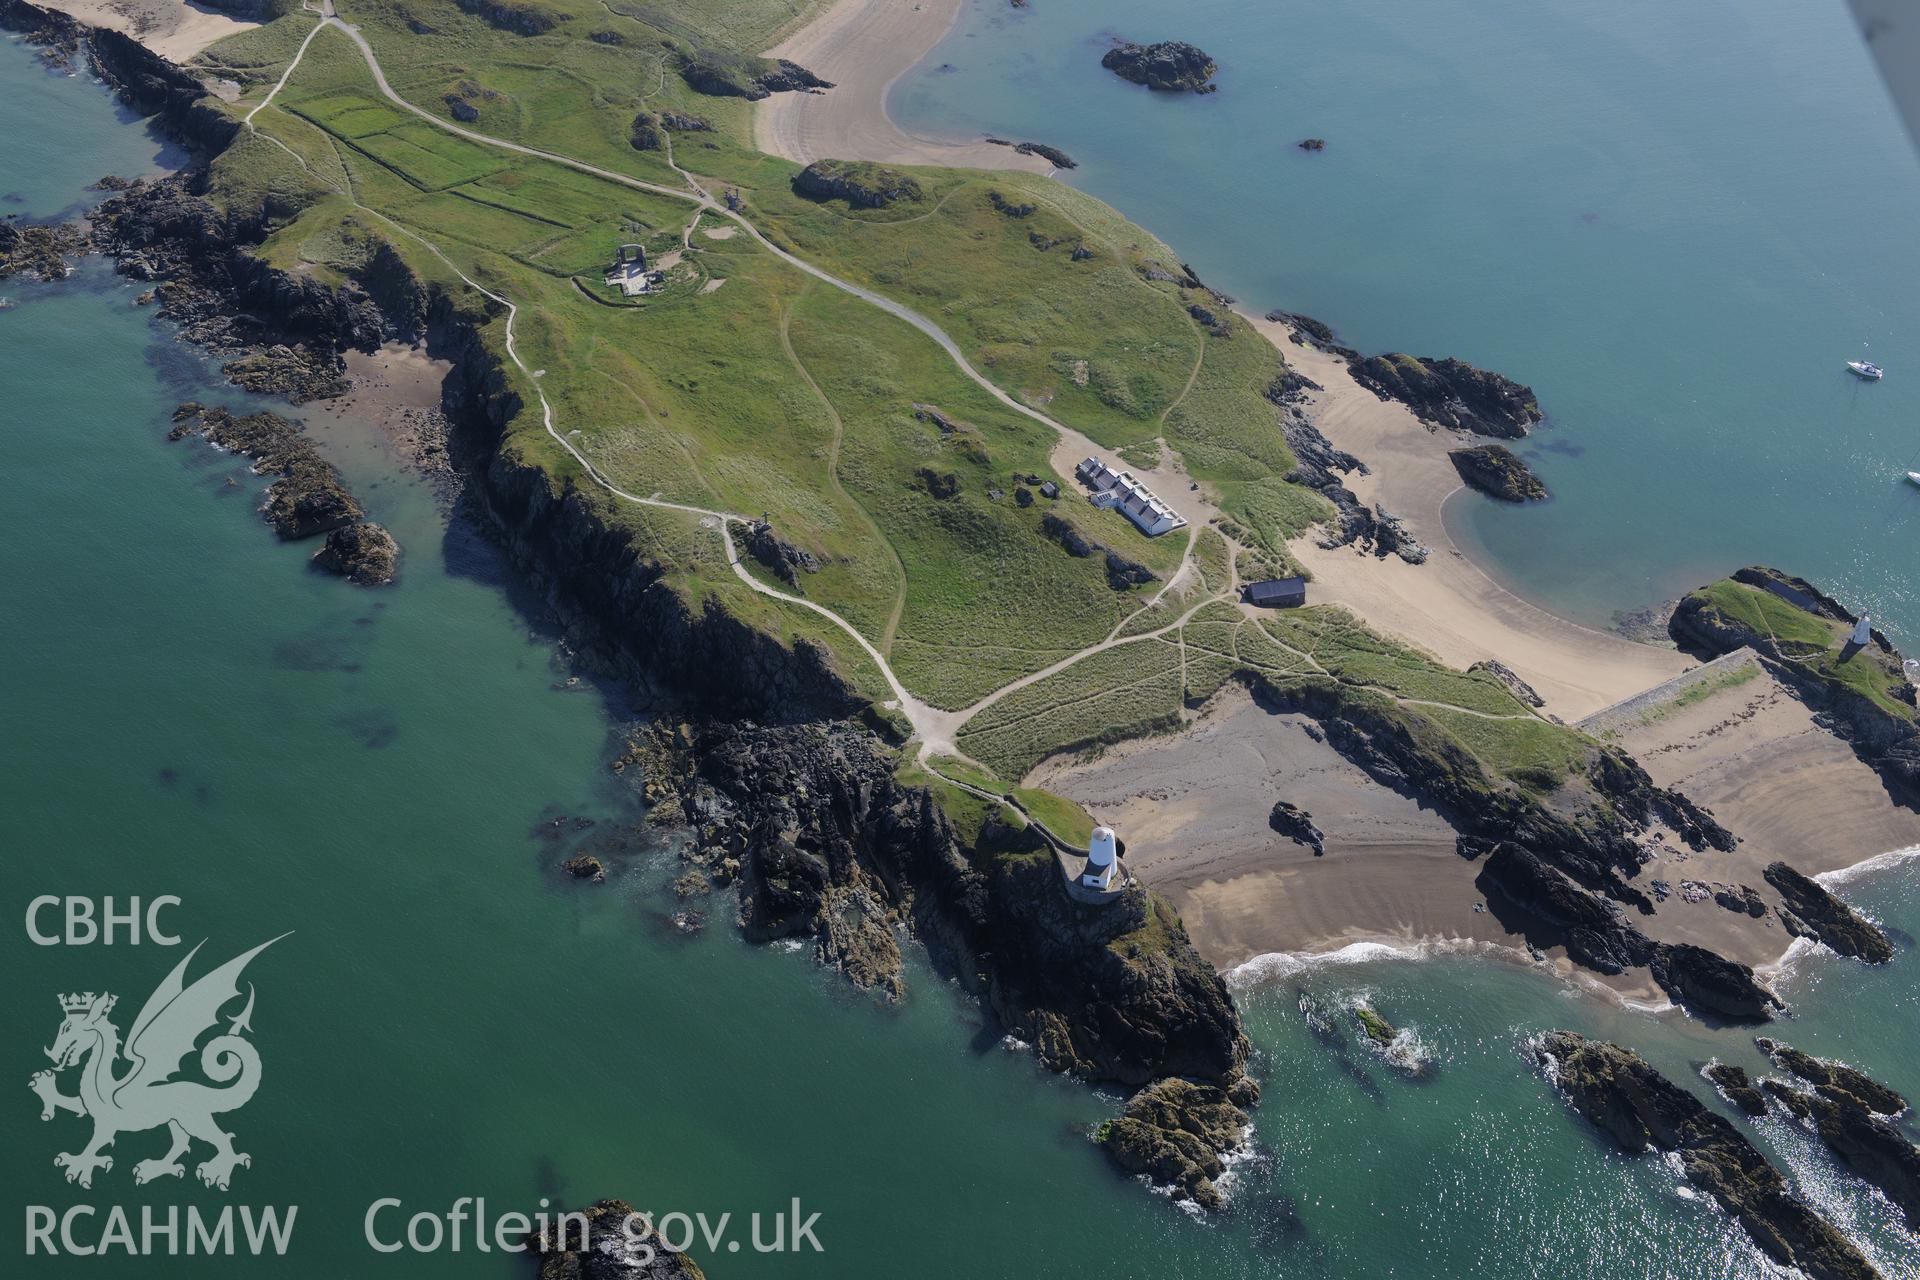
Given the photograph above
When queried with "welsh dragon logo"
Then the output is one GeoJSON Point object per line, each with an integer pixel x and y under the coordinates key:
{"type": "Point", "coordinates": [145, 1095]}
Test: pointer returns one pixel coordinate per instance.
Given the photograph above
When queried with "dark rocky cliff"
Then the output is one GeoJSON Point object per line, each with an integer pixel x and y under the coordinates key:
{"type": "Point", "coordinates": [139, 77]}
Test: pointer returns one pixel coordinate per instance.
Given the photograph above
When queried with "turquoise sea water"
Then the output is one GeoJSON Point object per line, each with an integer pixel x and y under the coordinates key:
{"type": "Point", "coordinates": [1676, 222]}
{"type": "Point", "coordinates": [191, 711]}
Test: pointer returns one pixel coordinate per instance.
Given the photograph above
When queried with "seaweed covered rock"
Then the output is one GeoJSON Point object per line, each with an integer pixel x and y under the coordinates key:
{"type": "Point", "coordinates": [1735, 1086]}
{"type": "Point", "coordinates": [38, 250]}
{"type": "Point", "coordinates": [1808, 909]}
{"type": "Point", "coordinates": [861, 183]}
{"type": "Point", "coordinates": [300, 373]}
{"type": "Point", "coordinates": [1171, 66]}
{"type": "Point", "coordinates": [1830, 1076]}
{"type": "Point", "coordinates": [584, 866]}
{"type": "Point", "coordinates": [308, 498]}
{"type": "Point", "coordinates": [1373, 1026]}
{"type": "Point", "coordinates": [1451, 393]}
{"type": "Point", "coordinates": [1498, 472]}
{"type": "Point", "coordinates": [1175, 1132]}
{"type": "Point", "coordinates": [1638, 1108]}
{"type": "Point", "coordinates": [361, 553]}
{"type": "Point", "coordinates": [599, 1243]}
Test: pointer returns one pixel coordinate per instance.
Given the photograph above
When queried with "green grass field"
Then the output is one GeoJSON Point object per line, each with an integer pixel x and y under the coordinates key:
{"type": "Point", "coordinates": [852, 431]}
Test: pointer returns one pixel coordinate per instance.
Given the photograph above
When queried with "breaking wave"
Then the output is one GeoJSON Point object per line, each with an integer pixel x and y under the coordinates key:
{"type": "Point", "coordinates": [1879, 862]}
{"type": "Point", "coordinates": [1273, 965]}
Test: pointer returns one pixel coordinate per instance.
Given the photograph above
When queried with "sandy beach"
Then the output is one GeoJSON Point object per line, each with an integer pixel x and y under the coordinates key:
{"type": "Point", "coordinates": [1193, 809]}
{"type": "Point", "coordinates": [863, 46]}
{"type": "Point", "coordinates": [1450, 606]}
{"type": "Point", "coordinates": [174, 29]}
{"type": "Point", "coordinates": [1787, 787]}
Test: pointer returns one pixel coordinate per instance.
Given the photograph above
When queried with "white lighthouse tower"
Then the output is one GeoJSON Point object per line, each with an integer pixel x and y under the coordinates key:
{"type": "Point", "coordinates": [1101, 860]}
{"type": "Point", "coordinates": [1862, 632]}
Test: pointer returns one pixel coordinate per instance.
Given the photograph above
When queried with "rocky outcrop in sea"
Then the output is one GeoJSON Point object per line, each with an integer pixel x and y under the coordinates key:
{"type": "Point", "coordinates": [1171, 66]}
{"type": "Point", "coordinates": [1639, 1108]}
{"type": "Point", "coordinates": [1849, 1110]}
{"type": "Point", "coordinates": [1451, 393]}
{"type": "Point", "coordinates": [1052, 155]}
{"type": "Point", "coordinates": [1808, 910]}
{"type": "Point", "coordinates": [363, 553]}
{"type": "Point", "coordinates": [617, 1247]}
{"type": "Point", "coordinates": [1498, 472]}
{"type": "Point", "coordinates": [1176, 1134]}
{"type": "Point", "coordinates": [308, 499]}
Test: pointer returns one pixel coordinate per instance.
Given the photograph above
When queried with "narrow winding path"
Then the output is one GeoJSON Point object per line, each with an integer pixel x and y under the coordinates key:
{"type": "Point", "coordinates": [936, 729]}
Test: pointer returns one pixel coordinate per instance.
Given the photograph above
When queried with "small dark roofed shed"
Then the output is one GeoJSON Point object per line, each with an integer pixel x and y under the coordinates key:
{"type": "Point", "coordinates": [1278, 593]}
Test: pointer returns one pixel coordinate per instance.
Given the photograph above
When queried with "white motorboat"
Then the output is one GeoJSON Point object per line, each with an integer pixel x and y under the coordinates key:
{"type": "Point", "coordinates": [1914, 476]}
{"type": "Point", "coordinates": [1866, 369]}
